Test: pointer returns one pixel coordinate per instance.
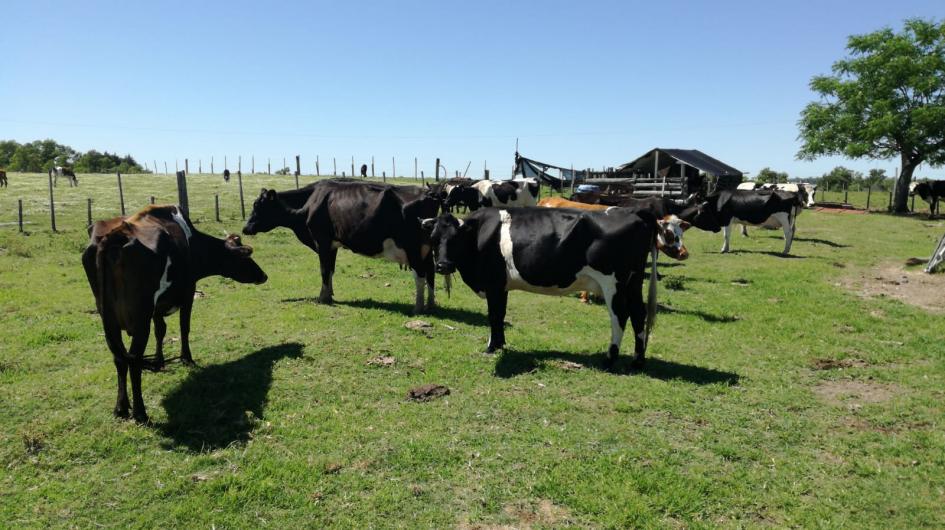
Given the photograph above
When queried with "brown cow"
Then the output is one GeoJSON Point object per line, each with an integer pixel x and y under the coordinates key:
{"type": "Point", "coordinates": [3, 179]}
{"type": "Point", "coordinates": [146, 267]}
{"type": "Point", "coordinates": [559, 202]}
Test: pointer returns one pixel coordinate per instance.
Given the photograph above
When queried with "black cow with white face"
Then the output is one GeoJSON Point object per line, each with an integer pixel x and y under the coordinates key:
{"type": "Point", "coordinates": [747, 207]}
{"type": "Point", "coordinates": [559, 251]}
{"type": "Point", "coordinates": [930, 192]}
{"type": "Point", "coordinates": [371, 219]}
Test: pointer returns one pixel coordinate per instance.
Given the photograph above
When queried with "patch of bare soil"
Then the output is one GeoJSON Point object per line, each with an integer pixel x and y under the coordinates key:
{"type": "Point", "coordinates": [834, 364]}
{"type": "Point", "coordinates": [427, 392]}
{"type": "Point", "coordinates": [853, 393]}
{"type": "Point", "coordinates": [910, 287]}
{"type": "Point", "coordinates": [545, 514]}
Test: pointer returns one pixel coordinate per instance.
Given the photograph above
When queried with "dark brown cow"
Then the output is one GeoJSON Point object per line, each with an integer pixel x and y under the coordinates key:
{"type": "Point", "coordinates": [146, 267]}
{"type": "Point", "coordinates": [3, 179]}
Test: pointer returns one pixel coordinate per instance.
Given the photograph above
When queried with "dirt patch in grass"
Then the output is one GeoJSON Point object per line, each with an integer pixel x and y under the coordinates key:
{"type": "Point", "coordinates": [851, 392]}
{"type": "Point", "coordinates": [911, 287]}
{"type": "Point", "coordinates": [525, 515]}
{"type": "Point", "coordinates": [834, 364]}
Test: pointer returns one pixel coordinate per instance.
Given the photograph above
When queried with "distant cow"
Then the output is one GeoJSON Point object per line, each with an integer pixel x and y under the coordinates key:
{"type": "Point", "coordinates": [363, 170]}
{"type": "Point", "coordinates": [555, 252]}
{"type": "Point", "coordinates": [804, 190]}
{"type": "Point", "coordinates": [498, 193]}
{"type": "Point", "coordinates": [371, 219]}
{"type": "Point", "coordinates": [725, 208]}
{"type": "Point", "coordinates": [3, 179]}
{"type": "Point", "coordinates": [930, 192]}
{"type": "Point", "coordinates": [226, 175]}
{"type": "Point", "coordinates": [66, 172]}
{"type": "Point", "coordinates": [146, 267]}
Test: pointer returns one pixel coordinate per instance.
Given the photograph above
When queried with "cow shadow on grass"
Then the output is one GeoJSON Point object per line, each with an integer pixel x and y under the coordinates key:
{"type": "Point", "coordinates": [463, 316]}
{"type": "Point", "coordinates": [813, 240]}
{"type": "Point", "coordinates": [768, 253]}
{"type": "Point", "coordinates": [511, 363]}
{"type": "Point", "coordinates": [220, 404]}
{"type": "Point", "coordinates": [708, 317]}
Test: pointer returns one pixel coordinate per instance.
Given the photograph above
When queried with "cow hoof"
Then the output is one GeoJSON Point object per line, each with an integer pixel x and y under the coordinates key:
{"type": "Point", "coordinates": [141, 417]}
{"type": "Point", "coordinates": [637, 363]}
{"type": "Point", "coordinates": [121, 413]}
{"type": "Point", "coordinates": [188, 362]}
{"type": "Point", "coordinates": [326, 300]}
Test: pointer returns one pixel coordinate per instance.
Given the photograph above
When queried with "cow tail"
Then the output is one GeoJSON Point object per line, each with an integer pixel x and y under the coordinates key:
{"type": "Point", "coordinates": [651, 295]}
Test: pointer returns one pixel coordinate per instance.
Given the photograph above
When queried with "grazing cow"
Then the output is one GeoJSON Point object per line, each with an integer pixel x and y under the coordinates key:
{"type": "Point", "coordinates": [3, 179]}
{"type": "Point", "coordinates": [555, 252]}
{"type": "Point", "coordinates": [486, 193]}
{"type": "Point", "coordinates": [66, 172]}
{"type": "Point", "coordinates": [144, 268]}
{"type": "Point", "coordinates": [930, 192]}
{"type": "Point", "coordinates": [371, 219]}
{"type": "Point", "coordinates": [226, 175]}
{"type": "Point", "coordinates": [727, 207]}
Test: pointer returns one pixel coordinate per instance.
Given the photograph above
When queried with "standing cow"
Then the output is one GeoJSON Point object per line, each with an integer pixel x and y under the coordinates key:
{"type": "Point", "coordinates": [555, 252]}
{"type": "Point", "coordinates": [930, 192]}
{"type": "Point", "coordinates": [728, 207]}
{"type": "Point", "coordinates": [66, 172]}
{"type": "Point", "coordinates": [146, 267]}
{"type": "Point", "coordinates": [3, 179]}
{"type": "Point", "coordinates": [497, 193]}
{"type": "Point", "coordinates": [371, 219]}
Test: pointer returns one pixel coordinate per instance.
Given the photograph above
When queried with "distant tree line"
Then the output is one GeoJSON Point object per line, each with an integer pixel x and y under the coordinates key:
{"type": "Point", "coordinates": [837, 178]}
{"type": "Point", "coordinates": [42, 155]}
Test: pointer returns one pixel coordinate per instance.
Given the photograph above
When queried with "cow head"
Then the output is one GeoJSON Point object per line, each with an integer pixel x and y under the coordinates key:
{"type": "Point", "coordinates": [467, 196]}
{"type": "Point", "coordinates": [922, 189]}
{"type": "Point", "coordinates": [268, 212]}
{"type": "Point", "coordinates": [237, 264]}
{"type": "Point", "coordinates": [704, 216]}
{"type": "Point", "coordinates": [446, 236]}
{"type": "Point", "coordinates": [669, 235]}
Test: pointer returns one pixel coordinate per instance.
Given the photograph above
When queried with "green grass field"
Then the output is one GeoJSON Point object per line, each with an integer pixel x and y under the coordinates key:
{"type": "Point", "coordinates": [773, 396]}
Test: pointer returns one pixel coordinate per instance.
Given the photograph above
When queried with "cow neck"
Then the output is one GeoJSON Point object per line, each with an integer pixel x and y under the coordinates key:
{"type": "Point", "coordinates": [206, 254]}
{"type": "Point", "coordinates": [293, 204]}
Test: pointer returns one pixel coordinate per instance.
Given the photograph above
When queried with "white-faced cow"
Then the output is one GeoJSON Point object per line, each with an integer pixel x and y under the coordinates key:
{"type": "Point", "coordinates": [728, 207]}
{"type": "Point", "coordinates": [489, 193]}
{"type": "Point", "coordinates": [555, 252]}
{"type": "Point", "coordinates": [66, 172]}
{"type": "Point", "coordinates": [145, 267]}
{"type": "Point", "coordinates": [930, 192]}
{"type": "Point", "coordinates": [371, 219]}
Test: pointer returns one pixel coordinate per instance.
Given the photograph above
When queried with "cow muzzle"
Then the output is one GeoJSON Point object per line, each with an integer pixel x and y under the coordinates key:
{"type": "Point", "coordinates": [677, 253]}
{"type": "Point", "coordinates": [445, 267]}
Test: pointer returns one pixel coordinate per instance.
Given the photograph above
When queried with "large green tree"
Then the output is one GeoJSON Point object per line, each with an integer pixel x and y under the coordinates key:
{"type": "Point", "coordinates": [768, 175]}
{"type": "Point", "coordinates": [886, 100]}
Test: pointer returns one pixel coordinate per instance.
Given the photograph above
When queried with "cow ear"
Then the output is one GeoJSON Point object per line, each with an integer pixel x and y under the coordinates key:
{"type": "Point", "coordinates": [271, 195]}
{"type": "Point", "coordinates": [428, 224]}
{"type": "Point", "coordinates": [685, 225]}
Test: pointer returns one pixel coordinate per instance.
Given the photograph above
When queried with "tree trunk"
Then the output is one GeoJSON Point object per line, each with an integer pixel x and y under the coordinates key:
{"type": "Point", "coordinates": [901, 198]}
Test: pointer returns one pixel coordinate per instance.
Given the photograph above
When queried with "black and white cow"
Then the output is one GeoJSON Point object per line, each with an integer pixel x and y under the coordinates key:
{"type": "Point", "coordinates": [66, 172]}
{"type": "Point", "coordinates": [930, 192]}
{"type": "Point", "coordinates": [497, 193]}
{"type": "Point", "coordinates": [728, 207]}
{"type": "Point", "coordinates": [555, 252]}
{"type": "Point", "coordinates": [371, 219]}
{"type": "Point", "coordinates": [804, 190]}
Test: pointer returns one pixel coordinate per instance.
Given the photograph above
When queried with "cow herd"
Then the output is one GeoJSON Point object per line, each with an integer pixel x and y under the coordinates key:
{"type": "Point", "coordinates": [145, 267]}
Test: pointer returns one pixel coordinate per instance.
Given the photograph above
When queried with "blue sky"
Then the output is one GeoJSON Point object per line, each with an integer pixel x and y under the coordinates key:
{"type": "Point", "coordinates": [583, 83]}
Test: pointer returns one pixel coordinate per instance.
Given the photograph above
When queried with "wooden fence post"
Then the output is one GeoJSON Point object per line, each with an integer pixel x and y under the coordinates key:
{"type": "Point", "coordinates": [889, 204]}
{"type": "Point", "coordinates": [239, 175]}
{"type": "Point", "coordinates": [182, 198]}
{"type": "Point", "coordinates": [393, 165]}
{"type": "Point", "coordinates": [436, 170]}
{"type": "Point", "coordinates": [298, 170]}
{"type": "Point", "coordinates": [318, 170]}
{"type": "Point", "coordinates": [121, 195]}
{"type": "Point", "coordinates": [216, 206]}
{"type": "Point", "coordinates": [269, 166]}
{"type": "Point", "coordinates": [252, 169]}
{"type": "Point", "coordinates": [52, 205]}
{"type": "Point", "coordinates": [155, 165]}
{"type": "Point", "coordinates": [372, 166]}
{"type": "Point", "coordinates": [415, 168]}
{"type": "Point", "coordinates": [334, 167]}
{"type": "Point", "coordinates": [88, 211]}
{"type": "Point", "coordinates": [200, 166]}
{"type": "Point", "coordinates": [352, 167]}
{"type": "Point", "coordinates": [165, 167]}
{"type": "Point", "coordinates": [869, 191]}
{"type": "Point", "coordinates": [846, 195]}
{"type": "Point", "coordinates": [211, 165]}
{"type": "Point", "coordinates": [239, 163]}
{"type": "Point", "coordinates": [225, 167]}
{"type": "Point", "coordinates": [187, 166]}
{"type": "Point", "coordinates": [19, 216]}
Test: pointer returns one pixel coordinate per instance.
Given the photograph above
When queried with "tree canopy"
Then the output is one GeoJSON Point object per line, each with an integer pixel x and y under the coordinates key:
{"type": "Point", "coordinates": [886, 99]}
{"type": "Point", "coordinates": [42, 155]}
{"type": "Point", "coordinates": [768, 175]}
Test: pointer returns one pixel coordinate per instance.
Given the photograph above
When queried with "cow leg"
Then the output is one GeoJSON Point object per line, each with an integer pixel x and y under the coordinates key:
{"type": "Point", "coordinates": [326, 260]}
{"type": "Point", "coordinates": [430, 275]}
{"type": "Point", "coordinates": [497, 300]}
{"type": "Point", "coordinates": [139, 343]}
{"type": "Point", "coordinates": [160, 329]}
{"type": "Point", "coordinates": [185, 310]}
{"type": "Point", "coordinates": [744, 230]}
{"type": "Point", "coordinates": [418, 282]}
{"type": "Point", "coordinates": [727, 235]}
{"type": "Point", "coordinates": [121, 404]}
{"type": "Point", "coordinates": [786, 220]}
{"type": "Point", "coordinates": [637, 310]}
{"type": "Point", "coordinates": [616, 301]}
